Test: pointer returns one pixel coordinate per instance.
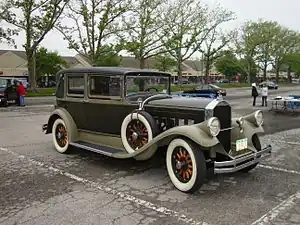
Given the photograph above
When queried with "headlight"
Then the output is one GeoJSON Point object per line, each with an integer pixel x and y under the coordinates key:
{"type": "Point", "coordinates": [214, 126]}
{"type": "Point", "coordinates": [259, 117]}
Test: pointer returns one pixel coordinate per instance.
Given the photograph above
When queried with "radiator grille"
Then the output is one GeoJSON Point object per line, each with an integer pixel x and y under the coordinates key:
{"type": "Point", "coordinates": [223, 112]}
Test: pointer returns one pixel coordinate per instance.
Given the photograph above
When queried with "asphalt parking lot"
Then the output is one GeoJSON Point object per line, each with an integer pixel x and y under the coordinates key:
{"type": "Point", "coordinates": [40, 186]}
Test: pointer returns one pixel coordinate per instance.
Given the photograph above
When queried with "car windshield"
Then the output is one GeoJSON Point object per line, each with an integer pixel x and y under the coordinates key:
{"type": "Point", "coordinates": [3, 83]}
{"type": "Point", "coordinates": [146, 84]}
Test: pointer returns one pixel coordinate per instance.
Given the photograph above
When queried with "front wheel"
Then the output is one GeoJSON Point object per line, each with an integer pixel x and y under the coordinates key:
{"type": "Point", "coordinates": [60, 136]}
{"type": "Point", "coordinates": [186, 165]}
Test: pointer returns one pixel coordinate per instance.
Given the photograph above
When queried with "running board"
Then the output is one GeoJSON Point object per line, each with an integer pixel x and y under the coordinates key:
{"type": "Point", "coordinates": [101, 149]}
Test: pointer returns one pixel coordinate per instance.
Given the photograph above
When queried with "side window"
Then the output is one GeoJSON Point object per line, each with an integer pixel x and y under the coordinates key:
{"type": "Point", "coordinates": [104, 86]}
{"type": "Point", "coordinates": [76, 85]}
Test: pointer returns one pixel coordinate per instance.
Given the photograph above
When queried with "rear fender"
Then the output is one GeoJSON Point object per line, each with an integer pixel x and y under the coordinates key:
{"type": "Point", "coordinates": [68, 120]}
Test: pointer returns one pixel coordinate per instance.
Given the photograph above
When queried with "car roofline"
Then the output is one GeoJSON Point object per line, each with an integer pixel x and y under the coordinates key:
{"type": "Point", "coordinates": [113, 70]}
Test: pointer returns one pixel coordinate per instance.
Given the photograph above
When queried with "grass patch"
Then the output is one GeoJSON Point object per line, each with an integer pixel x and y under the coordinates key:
{"type": "Point", "coordinates": [40, 92]}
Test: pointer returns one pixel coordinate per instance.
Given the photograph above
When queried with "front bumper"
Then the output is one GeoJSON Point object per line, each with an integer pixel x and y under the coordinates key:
{"type": "Point", "coordinates": [242, 162]}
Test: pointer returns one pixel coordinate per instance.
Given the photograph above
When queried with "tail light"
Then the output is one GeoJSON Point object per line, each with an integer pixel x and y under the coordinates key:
{"type": "Point", "coordinates": [2, 94]}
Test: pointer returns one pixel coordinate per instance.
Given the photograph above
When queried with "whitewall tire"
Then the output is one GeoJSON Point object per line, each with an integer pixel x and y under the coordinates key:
{"type": "Point", "coordinates": [186, 165]}
{"type": "Point", "coordinates": [138, 128]}
{"type": "Point", "coordinates": [60, 136]}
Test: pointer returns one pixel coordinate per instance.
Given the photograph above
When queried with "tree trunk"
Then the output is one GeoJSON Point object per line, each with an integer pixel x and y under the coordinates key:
{"type": "Point", "coordinates": [277, 73]}
{"type": "Point", "coordinates": [179, 72]}
{"type": "Point", "coordinates": [265, 70]}
{"type": "Point", "coordinates": [289, 73]}
{"type": "Point", "coordinates": [30, 67]}
{"type": "Point", "coordinates": [207, 67]}
{"type": "Point", "coordinates": [142, 63]}
{"type": "Point", "coordinates": [249, 73]}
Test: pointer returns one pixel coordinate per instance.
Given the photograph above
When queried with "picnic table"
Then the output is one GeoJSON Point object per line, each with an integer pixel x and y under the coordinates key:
{"type": "Point", "coordinates": [285, 104]}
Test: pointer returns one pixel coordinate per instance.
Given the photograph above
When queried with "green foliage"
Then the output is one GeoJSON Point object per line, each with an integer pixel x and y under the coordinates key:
{"type": "Point", "coordinates": [292, 60]}
{"type": "Point", "coordinates": [228, 64]}
{"type": "Point", "coordinates": [7, 36]}
{"type": "Point", "coordinates": [164, 62]}
{"type": "Point", "coordinates": [107, 57]}
{"type": "Point", "coordinates": [48, 63]}
{"type": "Point", "coordinates": [92, 24]}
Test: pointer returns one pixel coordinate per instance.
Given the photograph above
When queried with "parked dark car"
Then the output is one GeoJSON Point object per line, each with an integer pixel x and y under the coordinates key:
{"type": "Point", "coordinates": [270, 84]}
{"type": "Point", "coordinates": [7, 90]}
{"type": "Point", "coordinates": [205, 90]}
{"type": "Point", "coordinates": [123, 113]}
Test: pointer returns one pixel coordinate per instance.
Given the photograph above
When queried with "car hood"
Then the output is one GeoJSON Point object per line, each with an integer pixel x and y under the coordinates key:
{"type": "Point", "coordinates": [187, 102]}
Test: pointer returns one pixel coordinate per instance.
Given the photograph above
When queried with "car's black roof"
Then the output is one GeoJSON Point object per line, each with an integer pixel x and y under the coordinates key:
{"type": "Point", "coordinates": [113, 70]}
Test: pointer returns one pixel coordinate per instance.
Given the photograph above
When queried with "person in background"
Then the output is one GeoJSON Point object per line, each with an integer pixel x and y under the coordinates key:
{"type": "Point", "coordinates": [254, 93]}
{"type": "Point", "coordinates": [264, 95]}
{"type": "Point", "coordinates": [21, 93]}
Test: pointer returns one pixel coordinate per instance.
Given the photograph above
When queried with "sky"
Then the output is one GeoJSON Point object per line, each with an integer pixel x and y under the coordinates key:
{"type": "Point", "coordinates": [285, 12]}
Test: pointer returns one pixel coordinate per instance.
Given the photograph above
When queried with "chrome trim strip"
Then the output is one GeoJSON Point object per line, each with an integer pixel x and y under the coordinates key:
{"type": "Point", "coordinates": [228, 128]}
{"type": "Point", "coordinates": [231, 166]}
{"type": "Point", "coordinates": [91, 149]}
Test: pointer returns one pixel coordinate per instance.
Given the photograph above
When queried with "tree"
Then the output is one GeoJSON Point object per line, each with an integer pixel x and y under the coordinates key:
{"type": "Point", "coordinates": [228, 64]}
{"type": "Point", "coordinates": [93, 23]}
{"type": "Point", "coordinates": [292, 63]}
{"type": "Point", "coordinates": [266, 33]}
{"type": "Point", "coordinates": [187, 25]}
{"type": "Point", "coordinates": [246, 45]}
{"type": "Point", "coordinates": [48, 63]}
{"type": "Point", "coordinates": [164, 62]}
{"type": "Point", "coordinates": [143, 30]}
{"type": "Point", "coordinates": [212, 50]}
{"type": "Point", "coordinates": [287, 42]}
{"type": "Point", "coordinates": [36, 18]}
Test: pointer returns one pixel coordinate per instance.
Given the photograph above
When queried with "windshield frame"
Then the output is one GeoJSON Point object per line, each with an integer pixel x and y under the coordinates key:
{"type": "Point", "coordinates": [150, 75]}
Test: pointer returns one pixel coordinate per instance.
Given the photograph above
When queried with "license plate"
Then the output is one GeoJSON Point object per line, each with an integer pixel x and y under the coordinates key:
{"type": "Point", "coordinates": [241, 144]}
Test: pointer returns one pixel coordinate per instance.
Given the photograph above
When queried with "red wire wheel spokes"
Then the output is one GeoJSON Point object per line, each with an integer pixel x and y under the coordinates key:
{"type": "Point", "coordinates": [182, 164]}
{"type": "Point", "coordinates": [61, 135]}
{"type": "Point", "coordinates": [137, 134]}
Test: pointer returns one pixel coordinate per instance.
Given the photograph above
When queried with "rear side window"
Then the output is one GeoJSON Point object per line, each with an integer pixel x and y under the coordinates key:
{"type": "Point", "coordinates": [104, 86]}
{"type": "Point", "coordinates": [76, 85]}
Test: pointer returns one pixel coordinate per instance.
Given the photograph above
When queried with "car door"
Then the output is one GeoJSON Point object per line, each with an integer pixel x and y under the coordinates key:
{"type": "Point", "coordinates": [104, 110]}
{"type": "Point", "coordinates": [11, 90]}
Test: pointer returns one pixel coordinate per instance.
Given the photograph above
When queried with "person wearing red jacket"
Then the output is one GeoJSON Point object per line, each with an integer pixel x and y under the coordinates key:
{"type": "Point", "coordinates": [21, 92]}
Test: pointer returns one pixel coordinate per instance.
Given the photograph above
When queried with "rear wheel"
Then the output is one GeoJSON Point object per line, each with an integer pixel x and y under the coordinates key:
{"type": "Point", "coordinates": [257, 145]}
{"type": "Point", "coordinates": [186, 165]}
{"type": "Point", "coordinates": [60, 136]}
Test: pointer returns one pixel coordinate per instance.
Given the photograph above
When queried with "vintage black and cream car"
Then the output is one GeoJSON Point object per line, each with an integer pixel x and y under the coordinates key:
{"type": "Point", "coordinates": [130, 113]}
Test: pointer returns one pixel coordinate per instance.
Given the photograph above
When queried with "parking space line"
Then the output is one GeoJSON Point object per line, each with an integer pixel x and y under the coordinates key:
{"type": "Point", "coordinates": [108, 190]}
{"type": "Point", "coordinates": [273, 213]}
{"type": "Point", "coordinates": [279, 169]}
{"type": "Point", "coordinates": [289, 142]}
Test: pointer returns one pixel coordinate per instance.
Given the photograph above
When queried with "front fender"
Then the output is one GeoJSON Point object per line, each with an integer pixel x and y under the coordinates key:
{"type": "Point", "coordinates": [68, 120]}
{"type": "Point", "coordinates": [194, 132]}
{"type": "Point", "coordinates": [248, 130]}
